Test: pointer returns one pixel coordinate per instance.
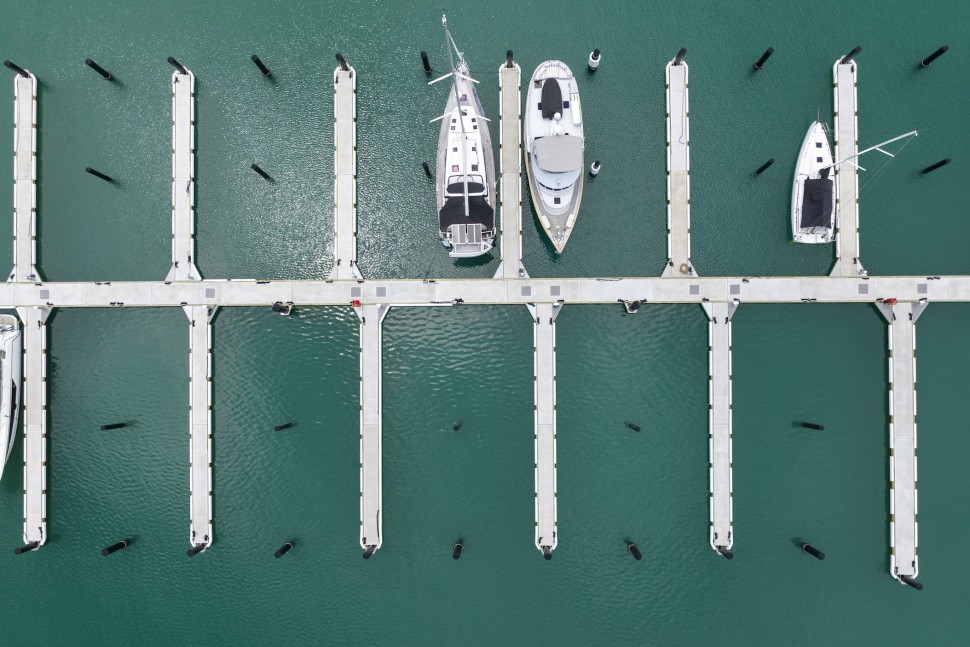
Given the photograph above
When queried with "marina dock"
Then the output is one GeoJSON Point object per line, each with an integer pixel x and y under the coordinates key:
{"type": "Point", "coordinates": [371, 320]}
{"type": "Point", "coordinates": [678, 173]}
{"type": "Point", "coordinates": [510, 155]}
{"type": "Point", "coordinates": [371, 299]}
{"type": "Point", "coordinates": [903, 512]}
{"type": "Point", "coordinates": [544, 374]}
{"type": "Point", "coordinates": [34, 402]}
{"type": "Point", "coordinates": [719, 348]}
{"type": "Point", "coordinates": [200, 423]}
{"type": "Point", "coordinates": [183, 178]}
{"type": "Point", "coordinates": [847, 261]}
{"type": "Point", "coordinates": [25, 179]}
{"type": "Point", "coordinates": [345, 174]}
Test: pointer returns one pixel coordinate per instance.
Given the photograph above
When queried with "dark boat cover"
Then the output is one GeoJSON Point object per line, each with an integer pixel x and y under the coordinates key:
{"type": "Point", "coordinates": [817, 204]}
{"type": "Point", "coordinates": [459, 187]}
{"type": "Point", "coordinates": [551, 98]}
{"type": "Point", "coordinates": [453, 213]}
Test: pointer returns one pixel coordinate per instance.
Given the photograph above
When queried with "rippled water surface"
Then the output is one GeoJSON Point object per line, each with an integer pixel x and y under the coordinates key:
{"type": "Point", "coordinates": [474, 364]}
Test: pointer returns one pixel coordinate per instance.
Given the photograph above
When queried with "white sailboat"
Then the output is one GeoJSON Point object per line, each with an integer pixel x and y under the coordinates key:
{"type": "Point", "coordinates": [11, 374]}
{"type": "Point", "coordinates": [814, 211]}
{"type": "Point", "coordinates": [465, 165]}
{"type": "Point", "coordinates": [554, 145]}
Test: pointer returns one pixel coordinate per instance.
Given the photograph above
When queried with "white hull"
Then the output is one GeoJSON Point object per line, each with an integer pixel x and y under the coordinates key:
{"type": "Point", "coordinates": [11, 379]}
{"type": "Point", "coordinates": [814, 156]}
{"type": "Point", "coordinates": [555, 167]}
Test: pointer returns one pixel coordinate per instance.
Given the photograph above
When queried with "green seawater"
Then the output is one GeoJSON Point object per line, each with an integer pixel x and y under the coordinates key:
{"type": "Point", "coordinates": [825, 363]}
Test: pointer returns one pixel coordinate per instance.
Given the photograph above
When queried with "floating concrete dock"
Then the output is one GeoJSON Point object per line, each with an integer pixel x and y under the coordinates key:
{"type": "Point", "coordinates": [847, 261]}
{"type": "Point", "coordinates": [183, 178]}
{"type": "Point", "coordinates": [678, 173]}
{"type": "Point", "coordinates": [719, 348]}
{"type": "Point", "coordinates": [544, 375]}
{"type": "Point", "coordinates": [35, 423]}
{"type": "Point", "coordinates": [510, 154]}
{"type": "Point", "coordinates": [371, 300]}
{"type": "Point", "coordinates": [200, 423]}
{"type": "Point", "coordinates": [371, 320]}
{"type": "Point", "coordinates": [903, 526]}
{"type": "Point", "coordinates": [345, 174]}
{"type": "Point", "coordinates": [25, 179]}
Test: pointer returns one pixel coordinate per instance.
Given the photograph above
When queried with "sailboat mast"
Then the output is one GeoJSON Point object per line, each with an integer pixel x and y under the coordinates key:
{"type": "Point", "coordinates": [449, 43]}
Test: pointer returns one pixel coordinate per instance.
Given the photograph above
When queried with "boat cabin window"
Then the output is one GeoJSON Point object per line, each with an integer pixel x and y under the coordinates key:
{"type": "Point", "coordinates": [818, 144]}
{"type": "Point", "coordinates": [565, 104]}
{"type": "Point", "coordinates": [818, 159]}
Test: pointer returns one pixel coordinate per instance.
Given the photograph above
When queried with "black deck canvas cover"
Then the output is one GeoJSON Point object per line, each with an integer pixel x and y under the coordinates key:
{"type": "Point", "coordinates": [453, 213]}
{"type": "Point", "coordinates": [551, 98]}
{"type": "Point", "coordinates": [817, 204]}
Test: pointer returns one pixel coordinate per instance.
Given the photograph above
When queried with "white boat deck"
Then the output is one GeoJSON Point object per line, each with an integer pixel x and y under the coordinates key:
{"type": "Point", "coordinates": [719, 344]}
{"type": "Point", "coordinates": [25, 179]}
{"type": "Point", "coordinates": [183, 179]}
{"type": "Point", "coordinates": [544, 317]}
{"type": "Point", "coordinates": [847, 261]}
{"type": "Point", "coordinates": [903, 509]}
{"type": "Point", "coordinates": [345, 174]}
{"type": "Point", "coordinates": [678, 174]}
{"type": "Point", "coordinates": [34, 401]}
{"type": "Point", "coordinates": [371, 320]}
{"type": "Point", "coordinates": [510, 154]}
{"type": "Point", "coordinates": [200, 423]}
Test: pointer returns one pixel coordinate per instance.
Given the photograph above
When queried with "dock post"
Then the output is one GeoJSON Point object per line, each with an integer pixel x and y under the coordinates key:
{"type": "Point", "coordinates": [106, 178]}
{"type": "Point", "coordinates": [427, 169]}
{"type": "Point", "coordinates": [508, 59]}
{"type": "Point", "coordinates": [546, 553]}
{"type": "Point", "coordinates": [680, 56]}
{"type": "Point", "coordinates": [459, 547]}
{"type": "Point", "coordinates": [105, 74]}
{"type": "Point", "coordinates": [728, 555]}
{"type": "Point", "coordinates": [284, 549]}
{"type": "Point", "coordinates": [935, 55]}
{"type": "Point", "coordinates": [16, 68]}
{"type": "Point", "coordinates": [425, 63]}
{"type": "Point", "coordinates": [764, 57]}
{"type": "Point", "coordinates": [933, 167]}
{"type": "Point", "coordinates": [764, 166]}
{"type": "Point", "coordinates": [851, 55]}
{"type": "Point", "coordinates": [114, 425]}
{"type": "Point", "coordinates": [342, 63]}
{"type": "Point", "coordinates": [195, 550]}
{"type": "Point", "coordinates": [115, 547]}
{"type": "Point", "coordinates": [911, 582]}
{"type": "Point", "coordinates": [634, 550]}
{"type": "Point", "coordinates": [594, 60]}
{"type": "Point", "coordinates": [262, 66]}
{"type": "Point", "coordinates": [177, 65]}
{"type": "Point", "coordinates": [26, 548]}
{"type": "Point", "coordinates": [369, 551]}
{"type": "Point", "coordinates": [813, 551]}
{"type": "Point", "coordinates": [285, 425]}
{"type": "Point", "coordinates": [594, 169]}
{"type": "Point", "coordinates": [263, 174]}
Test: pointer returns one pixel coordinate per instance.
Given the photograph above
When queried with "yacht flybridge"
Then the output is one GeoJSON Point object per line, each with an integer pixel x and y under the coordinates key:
{"type": "Point", "coordinates": [814, 211]}
{"type": "Point", "coordinates": [11, 372]}
{"type": "Point", "coordinates": [465, 165]}
{"type": "Point", "coordinates": [554, 144]}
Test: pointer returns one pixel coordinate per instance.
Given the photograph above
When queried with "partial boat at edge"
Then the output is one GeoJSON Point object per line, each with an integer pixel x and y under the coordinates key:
{"type": "Point", "coordinates": [11, 374]}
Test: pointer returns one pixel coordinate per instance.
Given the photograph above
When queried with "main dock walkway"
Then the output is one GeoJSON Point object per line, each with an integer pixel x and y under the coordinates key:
{"type": "Point", "coordinates": [678, 172]}
{"type": "Point", "coordinates": [847, 261]}
{"type": "Point", "coordinates": [719, 348]}
{"type": "Point", "coordinates": [903, 527]}
{"type": "Point", "coordinates": [544, 374]}
{"type": "Point", "coordinates": [510, 155]}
